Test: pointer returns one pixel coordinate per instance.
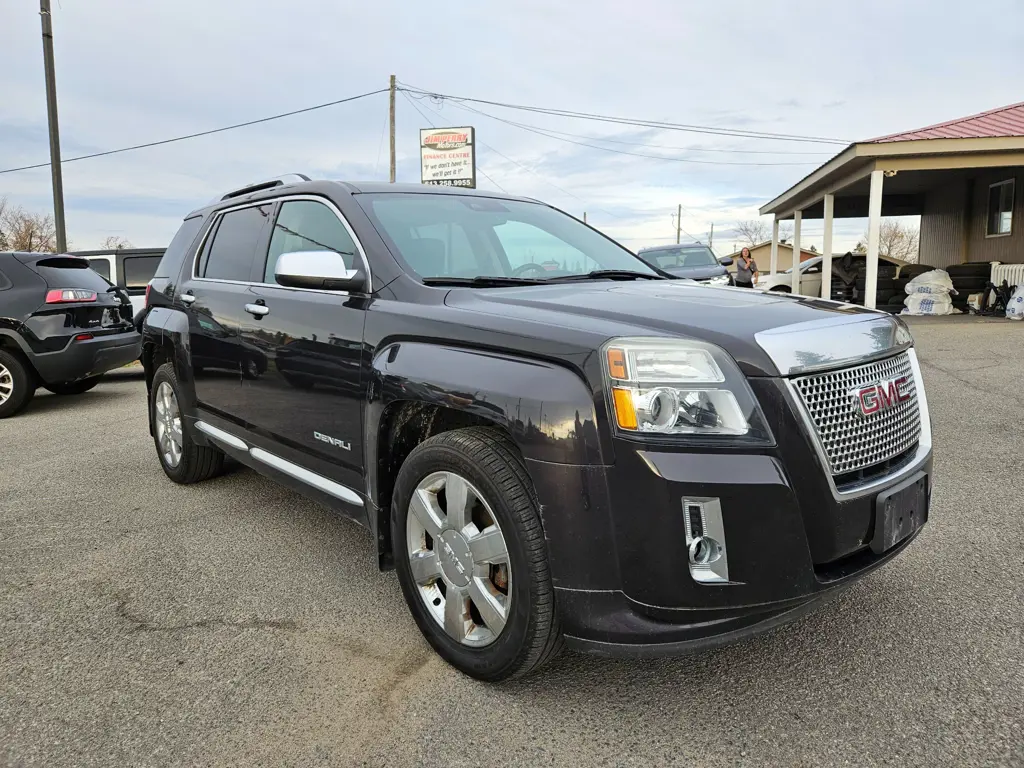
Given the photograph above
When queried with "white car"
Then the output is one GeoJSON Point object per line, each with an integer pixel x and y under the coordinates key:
{"type": "Point", "coordinates": [810, 276]}
{"type": "Point", "coordinates": [128, 268]}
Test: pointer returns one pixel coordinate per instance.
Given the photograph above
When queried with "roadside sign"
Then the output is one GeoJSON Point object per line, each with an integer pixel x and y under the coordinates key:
{"type": "Point", "coordinates": [448, 157]}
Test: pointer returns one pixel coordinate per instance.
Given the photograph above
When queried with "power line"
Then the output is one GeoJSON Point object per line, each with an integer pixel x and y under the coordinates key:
{"type": "Point", "coordinates": [200, 133]}
{"type": "Point", "coordinates": [712, 130]}
{"type": "Point", "coordinates": [662, 146]}
{"type": "Point", "coordinates": [431, 124]}
{"type": "Point", "coordinates": [543, 132]}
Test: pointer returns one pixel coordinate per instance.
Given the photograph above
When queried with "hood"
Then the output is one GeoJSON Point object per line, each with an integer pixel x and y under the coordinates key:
{"type": "Point", "coordinates": [697, 273]}
{"type": "Point", "coordinates": [728, 317]}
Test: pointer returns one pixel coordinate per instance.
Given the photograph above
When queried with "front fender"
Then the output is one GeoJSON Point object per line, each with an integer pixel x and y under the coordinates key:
{"type": "Point", "coordinates": [547, 409]}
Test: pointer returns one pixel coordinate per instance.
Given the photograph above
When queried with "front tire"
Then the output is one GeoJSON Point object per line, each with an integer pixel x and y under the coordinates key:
{"type": "Point", "coordinates": [183, 461]}
{"type": "Point", "coordinates": [73, 387]}
{"type": "Point", "coordinates": [17, 385]}
{"type": "Point", "coordinates": [471, 555]}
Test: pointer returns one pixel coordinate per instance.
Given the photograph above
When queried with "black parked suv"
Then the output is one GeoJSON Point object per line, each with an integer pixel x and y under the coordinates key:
{"type": "Point", "coordinates": [62, 326]}
{"type": "Point", "coordinates": [549, 440]}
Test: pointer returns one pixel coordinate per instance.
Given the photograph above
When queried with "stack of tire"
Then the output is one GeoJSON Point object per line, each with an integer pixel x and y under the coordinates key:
{"type": "Point", "coordinates": [968, 278]}
{"type": "Point", "coordinates": [885, 288]}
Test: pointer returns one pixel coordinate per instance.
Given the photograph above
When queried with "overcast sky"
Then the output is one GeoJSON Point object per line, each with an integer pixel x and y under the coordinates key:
{"type": "Point", "coordinates": [132, 72]}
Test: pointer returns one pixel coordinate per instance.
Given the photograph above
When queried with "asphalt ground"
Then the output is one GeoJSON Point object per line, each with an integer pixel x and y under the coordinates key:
{"type": "Point", "coordinates": [235, 623]}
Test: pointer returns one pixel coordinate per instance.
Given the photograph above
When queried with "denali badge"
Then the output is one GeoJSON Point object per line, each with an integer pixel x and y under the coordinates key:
{"type": "Point", "coordinates": [333, 441]}
{"type": "Point", "coordinates": [882, 396]}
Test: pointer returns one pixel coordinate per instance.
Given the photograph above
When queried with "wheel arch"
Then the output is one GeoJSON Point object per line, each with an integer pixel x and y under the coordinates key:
{"type": "Point", "coordinates": [420, 390]}
{"type": "Point", "coordinates": [13, 343]}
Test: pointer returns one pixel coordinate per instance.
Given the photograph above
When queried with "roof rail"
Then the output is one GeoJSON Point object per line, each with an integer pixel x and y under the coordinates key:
{"type": "Point", "coordinates": [277, 181]}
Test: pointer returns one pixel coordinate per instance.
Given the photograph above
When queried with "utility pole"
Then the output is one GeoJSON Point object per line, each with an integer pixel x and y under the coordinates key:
{"type": "Point", "coordinates": [391, 123]}
{"type": "Point", "coordinates": [711, 236]}
{"type": "Point", "coordinates": [584, 217]}
{"type": "Point", "coordinates": [679, 221]}
{"type": "Point", "coordinates": [51, 113]}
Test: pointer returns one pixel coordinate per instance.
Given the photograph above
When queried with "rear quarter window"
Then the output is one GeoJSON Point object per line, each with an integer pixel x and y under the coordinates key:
{"type": "Point", "coordinates": [139, 270]}
{"type": "Point", "coordinates": [101, 267]}
{"type": "Point", "coordinates": [170, 264]}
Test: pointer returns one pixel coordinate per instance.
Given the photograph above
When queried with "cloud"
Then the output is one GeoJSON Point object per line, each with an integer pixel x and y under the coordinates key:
{"type": "Point", "coordinates": [136, 72]}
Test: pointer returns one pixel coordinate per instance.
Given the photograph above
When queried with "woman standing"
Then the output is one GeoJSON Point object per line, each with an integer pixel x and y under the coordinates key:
{"type": "Point", "coordinates": [746, 270]}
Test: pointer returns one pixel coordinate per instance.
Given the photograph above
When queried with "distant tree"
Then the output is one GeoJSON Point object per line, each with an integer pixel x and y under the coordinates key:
{"type": "Point", "coordinates": [24, 231]}
{"type": "Point", "coordinates": [115, 243]}
{"type": "Point", "coordinates": [812, 249]}
{"type": "Point", "coordinates": [898, 241]}
{"type": "Point", "coordinates": [752, 232]}
{"type": "Point", "coordinates": [860, 247]}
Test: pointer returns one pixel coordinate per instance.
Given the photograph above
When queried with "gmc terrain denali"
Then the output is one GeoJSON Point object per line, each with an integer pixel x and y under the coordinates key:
{"type": "Point", "coordinates": [550, 440]}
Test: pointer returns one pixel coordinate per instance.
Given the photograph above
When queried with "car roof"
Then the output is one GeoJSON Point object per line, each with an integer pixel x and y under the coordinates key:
{"type": "Point", "coordinates": [322, 186]}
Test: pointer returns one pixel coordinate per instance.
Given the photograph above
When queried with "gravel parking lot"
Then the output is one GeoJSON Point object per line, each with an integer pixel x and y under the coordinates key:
{"type": "Point", "coordinates": [237, 623]}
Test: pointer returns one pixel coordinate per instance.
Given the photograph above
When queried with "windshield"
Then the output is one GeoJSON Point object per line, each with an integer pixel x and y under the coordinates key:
{"type": "Point", "coordinates": [461, 236]}
{"type": "Point", "coordinates": [683, 256]}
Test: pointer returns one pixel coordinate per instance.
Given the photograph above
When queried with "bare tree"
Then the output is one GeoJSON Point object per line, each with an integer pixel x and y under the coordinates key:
{"type": "Point", "coordinates": [752, 232]}
{"type": "Point", "coordinates": [116, 243]}
{"type": "Point", "coordinates": [24, 231]}
{"type": "Point", "coordinates": [895, 240]}
{"type": "Point", "coordinates": [898, 241]}
{"type": "Point", "coordinates": [785, 233]}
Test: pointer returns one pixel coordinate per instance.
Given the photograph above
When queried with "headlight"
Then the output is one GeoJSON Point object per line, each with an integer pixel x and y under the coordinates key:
{"type": "Point", "coordinates": [679, 389]}
{"type": "Point", "coordinates": [719, 280]}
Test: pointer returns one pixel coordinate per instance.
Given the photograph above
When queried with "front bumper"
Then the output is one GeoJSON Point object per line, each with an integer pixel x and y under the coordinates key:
{"type": "Point", "coordinates": [618, 551]}
{"type": "Point", "coordinates": [89, 357]}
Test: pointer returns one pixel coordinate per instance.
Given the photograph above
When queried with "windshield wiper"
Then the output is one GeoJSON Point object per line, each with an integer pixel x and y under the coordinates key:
{"type": "Point", "coordinates": [610, 274]}
{"type": "Point", "coordinates": [483, 281]}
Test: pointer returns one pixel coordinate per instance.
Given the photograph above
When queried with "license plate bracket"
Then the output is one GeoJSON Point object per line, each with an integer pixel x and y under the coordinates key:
{"type": "Point", "coordinates": [899, 512]}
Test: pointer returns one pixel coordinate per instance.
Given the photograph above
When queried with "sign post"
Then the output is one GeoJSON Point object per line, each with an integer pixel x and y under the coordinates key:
{"type": "Point", "coordinates": [448, 157]}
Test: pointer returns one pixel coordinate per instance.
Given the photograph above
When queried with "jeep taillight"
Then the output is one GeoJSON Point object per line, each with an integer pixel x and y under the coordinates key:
{"type": "Point", "coordinates": [69, 295]}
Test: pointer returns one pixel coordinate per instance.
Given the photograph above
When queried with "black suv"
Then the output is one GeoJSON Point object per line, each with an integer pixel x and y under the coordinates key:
{"type": "Point", "coordinates": [62, 326]}
{"type": "Point", "coordinates": [549, 440]}
{"type": "Point", "coordinates": [696, 262]}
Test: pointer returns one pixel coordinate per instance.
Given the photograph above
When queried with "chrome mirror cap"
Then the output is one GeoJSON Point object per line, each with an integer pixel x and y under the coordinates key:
{"type": "Point", "coordinates": [324, 270]}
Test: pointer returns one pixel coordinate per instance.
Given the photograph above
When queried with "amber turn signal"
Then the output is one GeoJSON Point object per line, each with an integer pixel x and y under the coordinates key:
{"type": "Point", "coordinates": [625, 413]}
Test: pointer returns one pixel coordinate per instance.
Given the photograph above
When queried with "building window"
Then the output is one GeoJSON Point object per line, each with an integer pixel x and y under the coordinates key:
{"type": "Point", "coordinates": [1000, 208]}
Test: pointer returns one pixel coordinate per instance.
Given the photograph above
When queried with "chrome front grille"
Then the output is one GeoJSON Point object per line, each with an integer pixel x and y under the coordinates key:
{"type": "Point", "coordinates": [852, 441]}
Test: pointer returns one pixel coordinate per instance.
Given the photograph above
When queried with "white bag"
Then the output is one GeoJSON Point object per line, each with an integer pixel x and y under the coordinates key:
{"type": "Point", "coordinates": [1015, 309]}
{"type": "Point", "coordinates": [937, 282]}
{"type": "Point", "coordinates": [928, 304]}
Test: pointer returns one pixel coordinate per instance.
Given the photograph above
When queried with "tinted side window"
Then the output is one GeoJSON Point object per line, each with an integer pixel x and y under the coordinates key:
{"type": "Point", "coordinates": [305, 225]}
{"type": "Point", "coordinates": [230, 255]}
{"type": "Point", "coordinates": [100, 267]}
{"type": "Point", "coordinates": [183, 239]}
{"type": "Point", "coordinates": [139, 270]}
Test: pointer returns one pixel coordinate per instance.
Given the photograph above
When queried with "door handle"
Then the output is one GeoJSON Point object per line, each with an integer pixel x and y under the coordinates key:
{"type": "Point", "coordinates": [187, 297]}
{"type": "Point", "coordinates": [257, 310]}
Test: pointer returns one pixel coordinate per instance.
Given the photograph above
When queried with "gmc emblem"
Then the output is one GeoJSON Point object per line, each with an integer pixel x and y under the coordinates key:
{"type": "Point", "coordinates": [882, 396]}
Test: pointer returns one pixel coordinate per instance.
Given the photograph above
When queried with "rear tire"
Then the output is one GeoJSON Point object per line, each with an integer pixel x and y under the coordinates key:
{"type": "Point", "coordinates": [183, 461]}
{"type": "Point", "coordinates": [501, 505]}
{"type": "Point", "coordinates": [17, 384]}
{"type": "Point", "coordinates": [73, 387]}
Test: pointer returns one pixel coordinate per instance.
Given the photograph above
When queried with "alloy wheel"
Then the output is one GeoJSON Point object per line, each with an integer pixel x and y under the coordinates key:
{"type": "Point", "coordinates": [6, 384]}
{"type": "Point", "coordinates": [168, 425]}
{"type": "Point", "coordinates": [459, 559]}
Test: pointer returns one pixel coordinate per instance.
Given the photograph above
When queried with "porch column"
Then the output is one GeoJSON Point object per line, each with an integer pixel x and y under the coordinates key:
{"type": "Point", "coordinates": [797, 218]}
{"type": "Point", "coordinates": [826, 250]}
{"type": "Point", "coordinates": [775, 246]}
{"type": "Point", "coordinates": [874, 224]}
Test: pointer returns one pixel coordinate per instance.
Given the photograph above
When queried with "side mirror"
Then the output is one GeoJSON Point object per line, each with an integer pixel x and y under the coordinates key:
{"type": "Point", "coordinates": [324, 270]}
{"type": "Point", "coordinates": [725, 261]}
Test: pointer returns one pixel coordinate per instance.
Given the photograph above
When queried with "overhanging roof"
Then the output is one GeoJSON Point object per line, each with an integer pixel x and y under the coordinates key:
{"type": "Point", "coordinates": [991, 138]}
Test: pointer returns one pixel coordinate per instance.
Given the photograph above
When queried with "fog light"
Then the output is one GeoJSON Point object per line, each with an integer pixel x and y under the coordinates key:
{"type": "Point", "coordinates": [705, 541]}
